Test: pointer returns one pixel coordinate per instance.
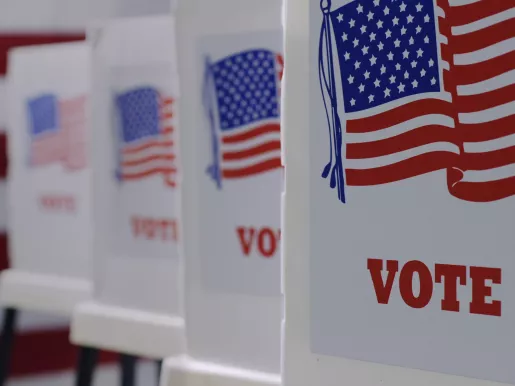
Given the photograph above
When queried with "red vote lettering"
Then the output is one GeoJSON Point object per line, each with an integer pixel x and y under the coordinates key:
{"type": "Point", "coordinates": [58, 203]}
{"type": "Point", "coordinates": [154, 229]}
{"type": "Point", "coordinates": [246, 237]}
{"type": "Point", "coordinates": [266, 240]}
{"type": "Point", "coordinates": [449, 275]}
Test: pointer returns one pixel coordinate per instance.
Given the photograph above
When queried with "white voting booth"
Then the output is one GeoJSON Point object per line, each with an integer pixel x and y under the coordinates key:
{"type": "Point", "coordinates": [137, 288]}
{"type": "Point", "coordinates": [230, 59]}
{"type": "Point", "coordinates": [49, 208]}
{"type": "Point", "coordinates": [399, 199]}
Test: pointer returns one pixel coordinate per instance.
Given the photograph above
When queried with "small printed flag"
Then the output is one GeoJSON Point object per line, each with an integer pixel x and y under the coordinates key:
{"type": "Point", "coordinates": [146, 147]}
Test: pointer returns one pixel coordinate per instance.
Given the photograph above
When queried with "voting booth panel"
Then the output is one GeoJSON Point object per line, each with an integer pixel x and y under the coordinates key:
{"type": "Point", "coordinates": [49, 178]}
{"type": "Point", "coordinates": [397, 224]}
{"type": "Point", "coordinates": [136, 180]}
{"type": "Point", "coordinates": [230, 72]}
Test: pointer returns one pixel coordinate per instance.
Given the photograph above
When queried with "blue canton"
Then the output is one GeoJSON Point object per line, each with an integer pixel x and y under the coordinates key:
{"type": "Point", "coordinates": [387, 50]}
{"type": "Point", "coordinates": [246, 88]}
{"type": "Point", "coordinates": [139, 114]}
{"type": "Point", "coordinates": [43, 114]}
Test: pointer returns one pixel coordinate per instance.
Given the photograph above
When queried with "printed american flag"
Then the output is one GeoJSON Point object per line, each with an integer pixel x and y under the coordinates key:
{"type": "Point", "coordinates": [429, 88]}
{"type": "Point", "coordinates": [248, 125]}
{"type": "Point", "coordinates": [146, 135]}
{"type": "Point", "coordinates": [58, 131]}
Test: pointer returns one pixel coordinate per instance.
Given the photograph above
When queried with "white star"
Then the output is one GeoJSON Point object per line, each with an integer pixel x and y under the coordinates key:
{"type": "Point", "coordinates": [395, 20]}
{"type": "Point", "coordinates": [397, 43]}
{"type": "Point", "coordinates": [370, 98]}
{"type": "Point", "coordinates": [345, 37]}
{"type": "Point", "coordinates": [387, 92]}
{"type": "Point", "coordinates": [357, 64]}
{"type": "Point", "coordinates": [401, 87]}
{"type": "Point", "coordinates": [398, 66]}
{"type": "Point", "coordinates": [419, 7]}
{"type": "Point", "coordinates": [363, 29]}
{"type": "Point", "coordinates": [339, 17]}
{"type": "Point", "coordinates": [388, 34]}
{"type": "Point", "coordinates": [377, 83]}
{"type": "Point", "coordinates": [405, 54]}
{"type": "Point", "coordinates": [411, 41]}
{"type": "Point", "coordinates": [414, 83]}
{"type": "Point", "coordinates": [414, 64]}
{"type": "Point", "coordinates": [372, 37]}
{"type": "Point", "coordinates": [352, 102]}
{"type": "Point", "coordinates": [423, 73]}
{"type": "Point", "coordinates": [361, 88]}
{"type": "Point", "coordinates": [376, 3]}
{"type": "Point", "coordinates": [367, 75]}
{"type": "Point", "coordinates": [418, 29]}
{"type": "Point", "coordinates": [406, 75]}
{"type": "Point", "coordinates": [420, 52]}
{"type": "Point", "coordinates": [370, 15]}
{"type": "Point", "coordinates": [350, 79]}
{"type": "Point", "coordinates": [383, 69]}
{"type": "Point", "coordinates": [433, 81]}
{"type": "Point", "coordinates": [392, 79]}
{"type": "Point", "coordinates": [426, 40]}
{"type": "Point", "coordinates": [365, 50]}
{"type": "Point", "coordinates": [380, 46]}
{"type": "Point", "coordinates": [346, 55]}
{"type": "Point", "coordinates": [360, 8]}
{"type": "Point", "coordinates": [379, 24]}
{"type": "Point", "coordinates": [403, 30]}
{"type": "Point", "coordinates": [410, 19]}
{"type": "Point", "coordinates": [373, 60]}
{"type": "Point", "coordinates": [386, 10]}
{"type": "Point", "coordinates": [355, 42]}
{"type": "Point", "coordinates": [431, 62]}
{"type": "Point", "coordinates": [352, 23]}
{"type": "Point", "coordinates": [403, 7]}
{"type": "Point", "coordinates": [427, 19]}
{"type": "Point", "coordinates": [390, 55]}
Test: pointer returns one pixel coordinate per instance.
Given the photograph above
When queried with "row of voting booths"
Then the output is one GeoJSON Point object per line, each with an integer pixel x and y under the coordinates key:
{"type": "Point", "coordinates": [181, 197]}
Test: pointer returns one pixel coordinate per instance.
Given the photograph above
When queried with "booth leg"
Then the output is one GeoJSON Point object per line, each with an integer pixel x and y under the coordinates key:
{"type": "Point", "coordinates": [86, 366]}
{"type": "Point", "coordinates": [6, 342]}
{"type": "Point", "coordinates": [128, 367]}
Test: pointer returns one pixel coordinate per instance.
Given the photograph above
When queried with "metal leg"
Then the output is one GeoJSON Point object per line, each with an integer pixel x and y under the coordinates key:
{"type": "Point", "coordinates": [159, 365]}
{"type": "Point", "coordinates": [86, 366]}
{"type": "Point", "coordinates": [6, 342]}
{"type": "Point", "coordinates": [128, 365]}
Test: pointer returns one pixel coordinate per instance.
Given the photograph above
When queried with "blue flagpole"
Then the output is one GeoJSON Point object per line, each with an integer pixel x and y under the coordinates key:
{"type": "Point", "coordinates": [337, 179]}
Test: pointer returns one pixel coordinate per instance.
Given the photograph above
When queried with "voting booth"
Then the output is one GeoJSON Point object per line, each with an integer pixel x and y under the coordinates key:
{"type": "Point", "coordinates": [399, 200]}
{"type": "Point", "coordinates": [49, 208]}
{"type": "Point", "coordinates": [231, 63]}
{"type": "Point", "coordinates": [136, 307]}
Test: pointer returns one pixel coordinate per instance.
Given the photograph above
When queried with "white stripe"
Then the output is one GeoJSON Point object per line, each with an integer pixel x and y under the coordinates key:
{"type": "Point", "coordinates": [490, 174]}
{"type": "Point", "coordinates": [390, 159]}
{"type": "Point", "coordinates": [401, 128]}
{"type": "Point", "coordinates": [492, 145]}
{"type": "Point", "coordinates": [251, 161]}
{"type": "Point", "coordinates": [488, 115]}
{"type": "Point", "coordinates": [443, 39]}
{"type": "Point", "coordinates": [484, 23]}
{"type": "Point", "coordinates": [485, 54]}
{"type": "Point", "coordinates": [149, 152]}
{"type": "Point", "coordinates": [495, 83]}
{"type": "Point", "coordinates": [445, 65]}
{"type": "Point", "coordinates": [238, 146]}
{"type": "Point", "coordinates": [147, 166]}
{"type": "Point", "coordinates": [444, 96]}
{"type": "Point", "coordinates": [457, 3]}
{"type": "Point", "coordinates": [440, 12]}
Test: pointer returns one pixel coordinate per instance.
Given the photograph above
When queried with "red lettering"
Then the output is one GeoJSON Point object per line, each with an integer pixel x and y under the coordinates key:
{"type": "Point", "coordinates": [154, 229]}
{"type": "Point", "coordinates": [480, 290]}
{"type": "Point", "coordinates": [58, 203]}
{"type": "Point", "coordinates": [267, 249]}
{"type": "Point", "coordinates": [451, 274]}
{"type": "Point", "coordinates": [246, 237]}
{"type": "Point", "coordinates": [383, 290]}
{"type": "Point", "coordinates": [406, 284]}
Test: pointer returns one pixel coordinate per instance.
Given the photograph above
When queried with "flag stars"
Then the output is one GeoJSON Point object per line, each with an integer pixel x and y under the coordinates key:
{"type": "Point", "coordinates": [427, 19]}
{"type": "Point", "coordinates": [363, 29]}
{"type": "Point", "coordinates": [379, 24]}
{"type": "Point", "coordinates": [403, 31]}
{"type": "Point", "coordinates": [433, 81]}
{"type": "Point", "coordinates": [373, 60]}
{"type": "Point", "coordinates": [339, 17]}
{"type": "Point", "coordinates": [370, 98]}
{"type": "Point", "coordinates": [345, 37]}
{"type": "Point", "coordinates": [350, 79]}
{"type": "Point", "coordinates": [390, 55]}
{"type": "Point", "coordinates": [346, 56]}
{"type": "Point", "coordinates": [377, 83]}
{"type": "Point", "coordinates": [370, 15]}
{"type": "Point", "coordinates": [401, 87]}
{"type": "Point", "coordinates": [353, 102]}
{"type": "Point", "coordinates": [380, 46]}
{"type": "Point", "coordinates": [405, 54]}
{"type": "Point", "coordinates": [414, 64]}
{"type": "Point", "coordinates": [383, 69]}
{"type": "Point", "coordinates": [397, 43]}
{"type": "Point", "coordinates": [361, 88]}
{"type": "Point", "coordinates": [392, 79]}
{"type": "Point", "coordinates": [357, 64]}
{"type": "Point", "coordinates": [355, 42]}
{"type": "Point", "coordinates": [403, 7]}
{"type": "Point", "coordinates": [398, 66]}
{"type": "Point", "coordinates": [410, 19]}
{"type": "Point", "coordinates": [419, 7]}
{"type": "Point", "coordinates": [418, 29]}
{"type": "Point", "coordinates": [352, 23]}
{"type": "Point", "coordinates": [367, 75]}
{"type": "Point", "coordinates": [395, 20]}
{"type": "Point", "coordinates": [414, 83]}
{"type": "Point", "coordinates": [372, 36]}
{"type": "Point", "coordinates": [411, 41]}
{"type": "Point", "coordinates": [406, 75]}
{"type": "Point", "coordinates": [360, 8]}
{"type": "Point", "coordinates": [386, 11]}
{"type": "Point", "coordinates": [376, 3]}
{"type": "Point", "coordinates": [431, 62]}
{"type": "Point", "coordinates": [387, 92]}
{"type": "Point", "coordinates": [388, 34]}
{"type": "Point", "coordinates": [426, 40]}
{"type": "Point", "coordinates": [365, 50]}
{"type": "Point", "coordinates": [423, 73]}
{"type": "Point", "coordinates": [420, 52]}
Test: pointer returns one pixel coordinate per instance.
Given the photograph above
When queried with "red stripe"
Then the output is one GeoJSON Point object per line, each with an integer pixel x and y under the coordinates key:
{"type": "Point", "coordinates": [399, 115]}
{"type": "Point", "coordinates": [418, 137]}
{"type": "Point", "coordinates": [487, 100]}
{"type": "Point", "coordinates": [474, 73]}
{"type": "Point", "coordinates": [466, 14]}
{"type": "Point", "coordinates": [135, 176]}
{"type": "Point", "coordinates": [484, 191]}
{"type": "Point", "coordinates": [258, 131]}
{"type": "Point", "coordinates": [489, 130]}
{"type": "Point", "coordinates": [488, 160]}
{"type": "Point", "coordinates": [156, 143]}
{"type": "Point", "coordinates": [3, 156]}
{"type": "Point", "coordinates": [164, 157]}
{"type": "Point", "coordinates": [421, 164]}
{"type": "Point", "coordinates": [259, 168]}
{"type": "Point", "coordinates": [483, 38]}
{"type": "Point", "coordinates": [253, 151]}
{"type": "Point", "coordinates": [167, 130]}
{"type": "Point", "coordinates": [166, 101]}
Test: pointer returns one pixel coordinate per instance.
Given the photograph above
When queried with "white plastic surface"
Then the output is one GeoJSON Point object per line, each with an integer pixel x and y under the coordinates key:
{"type": "Point", "coordinates": [137, 283]}
{"type": "Point", "coordinates": [301, 366]}
{"type": "Point", "coordinates": [230, 332]}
